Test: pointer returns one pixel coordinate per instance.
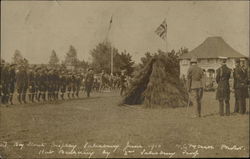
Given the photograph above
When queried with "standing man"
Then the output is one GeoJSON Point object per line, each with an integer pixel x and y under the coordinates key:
{"type": "Point", "coordinates": [89, 81]}
{"type": "Point", "coordinates": [4, 82]}
{"type": "Point", "coordinates": [31, 84]}
{"type": "Point", "coordinates": [63, 83]}
{"type": "Point", "coordinates": [223, 90]}
{"type": "Point", "coordinates": [22, 83]}
{"type": "Point", "coordinates": [195, 85]}
{"type": "Point", "coordinates": [122, 82]}
{"type": "Point", "coordinates": [240, 86]}
{"type": "Point", "coordinates": [12, 81]}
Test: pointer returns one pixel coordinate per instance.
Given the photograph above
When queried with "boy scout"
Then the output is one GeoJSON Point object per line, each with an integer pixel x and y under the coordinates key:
{"type": "Point", "coordinates": [89, 81]}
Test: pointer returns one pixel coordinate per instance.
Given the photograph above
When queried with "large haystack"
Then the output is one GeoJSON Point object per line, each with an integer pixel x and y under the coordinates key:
{"type": "Point", "coordinates": [158, 84]}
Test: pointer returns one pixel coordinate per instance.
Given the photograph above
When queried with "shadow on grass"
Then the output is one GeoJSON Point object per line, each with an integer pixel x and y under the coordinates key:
{"type": "Point", "coordinates": [51, 102]}
{"type": "Point", "coordinates": [217, 114]}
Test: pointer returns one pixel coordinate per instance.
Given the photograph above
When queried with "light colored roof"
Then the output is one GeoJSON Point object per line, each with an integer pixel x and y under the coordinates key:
{"type": "Point", "coordinates": [213, 47]}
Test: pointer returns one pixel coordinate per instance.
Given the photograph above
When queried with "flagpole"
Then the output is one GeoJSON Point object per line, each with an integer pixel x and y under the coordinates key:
{"type": "Point", "coordinates": [112, 60]}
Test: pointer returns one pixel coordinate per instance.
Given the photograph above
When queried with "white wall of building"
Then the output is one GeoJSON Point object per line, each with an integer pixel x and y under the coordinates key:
{"type": "Point", "coordinates": [204, 64]}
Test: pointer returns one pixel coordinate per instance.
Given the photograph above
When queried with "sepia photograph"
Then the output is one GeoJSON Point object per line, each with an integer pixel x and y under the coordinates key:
{"type": "Point", "coordinates": [124, 79]}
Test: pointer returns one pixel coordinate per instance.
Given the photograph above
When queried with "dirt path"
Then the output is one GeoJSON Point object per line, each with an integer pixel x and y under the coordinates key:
{"type": "Point", "coordinates": [52, 130]}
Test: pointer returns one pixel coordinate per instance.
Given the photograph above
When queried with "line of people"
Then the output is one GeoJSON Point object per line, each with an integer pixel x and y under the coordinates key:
{"type": "Point", "coordinates": [39, 83]}
{"type": "Point", "coordinates": [44, 83]}
{"type": "Point", "coordinates": [241, 83]}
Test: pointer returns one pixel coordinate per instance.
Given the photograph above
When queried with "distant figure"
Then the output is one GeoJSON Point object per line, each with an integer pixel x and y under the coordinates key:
{"type": "Point", "coordinates": [195, 85]}
{"type": "Point", "coordinates": [223, 90]}
{"type": "Point", "coordinates": [240, 86]}
{"type": "Point", "coordinates": [122, 83]}
{"type": "Point", "coordinates": [12, 81]}
{"type": "Point", "coordinates": [89, 80]}
{"type": "Point", "coordinates": [21, 83]}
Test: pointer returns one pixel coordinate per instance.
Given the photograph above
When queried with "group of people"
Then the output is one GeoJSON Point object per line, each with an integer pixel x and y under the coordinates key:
{"type": "Point", "coordinates": [240, 85]}
{"type": "Point", "coordinates": [45, 83]}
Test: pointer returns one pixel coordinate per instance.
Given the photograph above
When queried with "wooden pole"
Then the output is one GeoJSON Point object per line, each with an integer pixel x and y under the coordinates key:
{"type": "Point", "coordinates": [112, 60]}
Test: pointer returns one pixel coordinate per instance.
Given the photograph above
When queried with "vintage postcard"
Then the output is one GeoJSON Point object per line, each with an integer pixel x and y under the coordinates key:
{"type": "Point", "coordinates": [124, 79]}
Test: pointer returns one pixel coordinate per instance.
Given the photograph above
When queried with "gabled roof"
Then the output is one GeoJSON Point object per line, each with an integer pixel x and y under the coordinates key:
{"type": "Point", "coordinates": [213, 47]}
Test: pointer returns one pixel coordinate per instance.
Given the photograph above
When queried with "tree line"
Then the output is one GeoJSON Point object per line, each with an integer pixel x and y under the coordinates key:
{"type": "Point", "coordinates": [101, 59]}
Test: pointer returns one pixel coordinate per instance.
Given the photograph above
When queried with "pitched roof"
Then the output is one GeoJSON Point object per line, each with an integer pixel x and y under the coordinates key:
{"type": "Point", "coordinates": [212, 47]}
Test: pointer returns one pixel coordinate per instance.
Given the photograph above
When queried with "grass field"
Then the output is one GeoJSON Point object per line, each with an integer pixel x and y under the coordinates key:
{"type": "Point", "coordinates": [98, 127]}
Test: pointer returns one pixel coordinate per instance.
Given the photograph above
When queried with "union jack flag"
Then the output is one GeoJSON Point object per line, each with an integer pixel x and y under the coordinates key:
{"type": "Point", "coordinates": [162, 30]}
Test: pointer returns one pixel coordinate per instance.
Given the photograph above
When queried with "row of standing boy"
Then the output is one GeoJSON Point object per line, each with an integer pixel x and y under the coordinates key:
{"type": "Point", "coordinates": [43, 83]}
{"type": "Point", "coordinates": [40, 83]}
{"type": "Point", "coordinates": [240, 85]}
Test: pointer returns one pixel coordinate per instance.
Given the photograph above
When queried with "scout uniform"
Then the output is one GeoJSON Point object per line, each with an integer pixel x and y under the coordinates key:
{"type": "Point", "coordinates": [122, 83]}
{"type": "Point", "coordinates": [12, 81]}
{"type": "Point", "coordinates": [21, 84]}
{"type": "Point", "coordinates": [31, 85]}
{"type": "Point", "coordinates": [63, 83]}
{"type": "Point", "coordinates": [4, 83]}
{"type": "Point", "coordinates": [89, 81]}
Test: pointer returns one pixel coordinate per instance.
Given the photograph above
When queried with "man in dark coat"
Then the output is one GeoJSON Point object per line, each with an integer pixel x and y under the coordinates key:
{"type": "Point", "coordinates": [63, 83]}
{"type": "Point", "coordinates": [223, 90]}
{"type": "Point", "coordinates": [12, 81]}
{"type": "Point", "coordinates": [240, 86]}
{"type": "Point", "coordinates": [89, 81]}
{"type": "Point", "coordinates": [122, 82]}
{"type": "Point", "coordinates": [4, 82]}
{"type": "Point", "coordinates": [31, 84]}
{"type": "Point", "coordinates": [195, 85]}
{"type": "Point", "coordinates": [42, 83]}
{"type": "Point", "coordinates": [21, 83]}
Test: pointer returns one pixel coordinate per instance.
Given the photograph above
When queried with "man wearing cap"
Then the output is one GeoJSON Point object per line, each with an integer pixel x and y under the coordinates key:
{"type": "Point", "coordinates": [12, 81]}
{"type": "Point", "coordinates": [78, 83]}
{"type": "Point", "coordinates": [223, 90]}
{"type": "Point", "coordinates": [69, 84]}
{"type": "Point", "coordinates": [42, 82]}
{"type": "Point", "coordinates": [195, 85]}
{"type": "Point", "coordinates": [57, 84]}
{"type": "Point", "coordinates": [36, 77]}
{"type": "Point", "coordinates": [89, 81]}
{"type": "Point", "coordinates": [21, 84]}
{"type": "Point", "coordinates": [63, 83]}
{"type": "Point", "coordinates": [122, 82]}
{"type": "Point", "coordinates": [240, 86]}
{"type": "Point", "coordinates": [4, 82]}
{"type": "Point", "coordinates": [31, 84]}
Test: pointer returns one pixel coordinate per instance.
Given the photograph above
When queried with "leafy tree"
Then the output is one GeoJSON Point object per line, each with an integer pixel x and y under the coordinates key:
{"type": "Point", "coordinates": [54, 60]}
{"type": "Point", "coordinates": [101, 57]}
{"type": "Point", "coordinates": [125, 62]}
{"type": "Point", "coordinates": [17, 58]}
{"type": "Point", "coordinates": [71, 57]}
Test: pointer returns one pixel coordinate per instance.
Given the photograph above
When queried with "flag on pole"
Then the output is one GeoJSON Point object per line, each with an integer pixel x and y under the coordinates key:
{"type": "Point", "coordinates": [162, 30]}
{"type": "Point", "coordinates": [110, 22]}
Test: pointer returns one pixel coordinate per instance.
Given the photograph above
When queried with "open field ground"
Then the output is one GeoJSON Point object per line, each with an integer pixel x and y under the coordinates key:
{"type": "Point", "coordinates": [98, 127]}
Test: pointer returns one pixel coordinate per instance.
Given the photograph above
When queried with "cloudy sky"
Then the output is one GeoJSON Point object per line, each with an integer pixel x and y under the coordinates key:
{"type": "Point", "coordinates": [35, 28]}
